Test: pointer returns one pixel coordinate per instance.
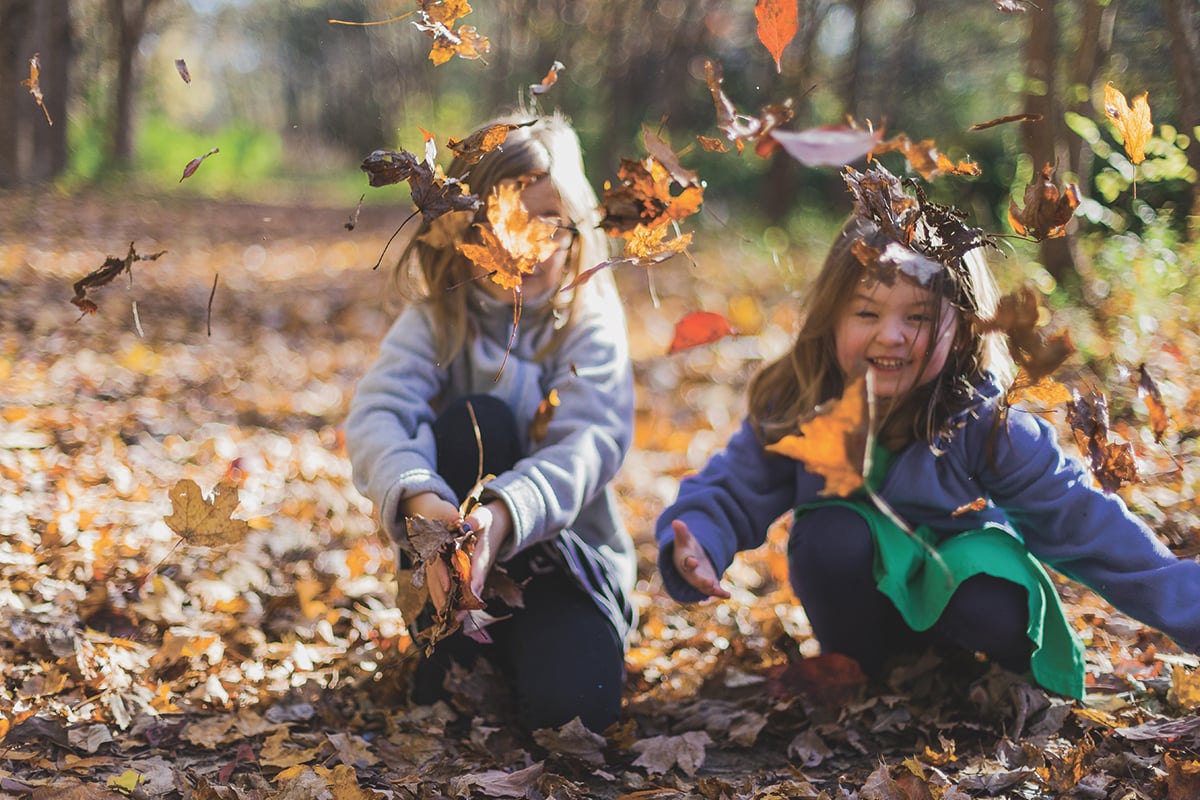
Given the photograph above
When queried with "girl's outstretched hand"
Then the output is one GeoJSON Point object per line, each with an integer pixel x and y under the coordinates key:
{"type": "Point", "coordinates": [437, 575]}
{"type": "Point", "coordinates": [493, 524]}
{"type": "Point", "coordinates": [694, 564]}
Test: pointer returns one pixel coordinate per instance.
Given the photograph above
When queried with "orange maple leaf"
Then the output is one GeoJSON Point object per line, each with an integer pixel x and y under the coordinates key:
{"type": "Point", "coordinates": [925, 157]}
{"type": "Point", "coordinates": [644, 247]}
{"type": "Point", "coordinates": [1132, 120]}
{"type": "Point", "coordinates": [482, 142]}
{"type": "Point", "coordinates": [778, 24]}
{"type": "Point", "coordinates": [699, 328]}
{"type": "Point", "coordinates": [436, 20]}
{"type": "Point", "coordinates": [833, 442]}
{"type": "Point", "coordinates": [512, 242]}
{"type": "Point", "coordinates": [643, 196]}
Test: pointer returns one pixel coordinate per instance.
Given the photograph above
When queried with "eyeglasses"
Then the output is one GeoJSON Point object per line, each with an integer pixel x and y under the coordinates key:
{"type": "Point", "coordinates": [564, 235]}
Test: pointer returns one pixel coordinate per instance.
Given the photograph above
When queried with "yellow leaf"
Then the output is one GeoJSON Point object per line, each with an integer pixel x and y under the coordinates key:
{"type": "Point", "coordinates": [203, 523]}
{"type": "Point", "coordinates": [1132, 120]}
{"type": "Point", "coordinates": [126, 782]}
{"type": "Point", "coordinates": [1185, 688]}
{"type": "Point", "coordinates": [833, 442]}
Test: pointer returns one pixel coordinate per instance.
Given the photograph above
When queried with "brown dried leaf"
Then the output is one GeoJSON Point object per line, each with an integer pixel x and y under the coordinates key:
{"type": "Point", "coordinates": [1047, 210]}
{"type": "Point", "coordinates": [1132, 120]}
{"type": "Point", "coordinates": [740, 128]}
{"type": "Point", "coordinates": [203, 523]}
{"type": "Point", "coordinates": [104, 274]}
{"type": "Point", "coordinates": [194, 164]}
{"type": "Point", "coordinates": [1017, 317]}
{"type": "Point", "coordinates": [484, 141]}
{"type": "Point", "coordinates": [1148, 391]}
{"type": "Point", "coordinates": [832, 443]}
{"type": "Point", "coordinates": [1112, 464]}
{"type": "Point", "coordinates": [978, 504]}
{"type": "Point", "coordinates": [711, 144]}
{"type": "Point", "coordinates": [644, 247]}
{"type": "Point", "coordinates": [991, 123]}
{"type": "Point", "coordinates": [182, 68]}
{"type": "Point", "coordinates": [1046, 392]}
{"type": "Point", "coordinates": [661, 152]}
{"type": "Point", "coordinates": [643, 197]}
{"type": "Point", "coordinates": [925, 157]}
{"type": "Point", "coordinates": [432, 193]}
{"type": "Point", "coordinates": [34, 84]}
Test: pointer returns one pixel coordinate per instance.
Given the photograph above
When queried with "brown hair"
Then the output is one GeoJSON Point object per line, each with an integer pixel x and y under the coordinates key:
{"type": "Point", "coordinates": [440, 275]}
{"type": "Point", "coordinates": [785, 391]}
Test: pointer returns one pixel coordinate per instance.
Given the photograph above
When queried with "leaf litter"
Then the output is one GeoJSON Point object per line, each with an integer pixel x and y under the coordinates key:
{"type": "Point", "coordinates": [270, 662]}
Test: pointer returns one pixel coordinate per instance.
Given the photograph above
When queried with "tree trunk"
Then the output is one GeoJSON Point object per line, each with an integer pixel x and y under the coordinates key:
{"type": "Point", "coordinates": [1095, 39]}
{"type": "Point", "coordinates": [1042, 139]}
{"type": "Point", "coordinates": [14, 68]}
{"type": "Point", "coordinates": [52, 37]}
{"type": "Point", "coordinates": [1183, 24]}
{"type": "Point", "coordinates": [128, 18]}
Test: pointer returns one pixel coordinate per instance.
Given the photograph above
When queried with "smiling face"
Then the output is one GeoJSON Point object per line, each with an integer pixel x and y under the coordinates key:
{"type": "Point", "coordinates": [889, 331]}
{"type": "Point", "coordinates": [541, 200]}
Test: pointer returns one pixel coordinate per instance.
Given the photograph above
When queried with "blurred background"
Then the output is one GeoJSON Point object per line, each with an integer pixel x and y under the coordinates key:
{"type": "Point", "coordinates": [294, 102]}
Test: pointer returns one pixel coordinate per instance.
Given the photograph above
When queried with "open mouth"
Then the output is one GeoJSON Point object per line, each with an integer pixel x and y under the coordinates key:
{"type": "Point", "coordinates": [888, 364]}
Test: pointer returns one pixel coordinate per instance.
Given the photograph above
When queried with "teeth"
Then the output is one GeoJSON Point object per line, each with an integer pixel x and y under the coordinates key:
{"type": "Point", "coordinates": [887, 363]}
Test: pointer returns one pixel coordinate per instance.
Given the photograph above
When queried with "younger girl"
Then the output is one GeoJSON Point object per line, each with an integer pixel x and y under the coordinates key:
{"type": "Point", "coordinates": [452, 365]}
{"type": "Point", "coordinates": [945, 441]}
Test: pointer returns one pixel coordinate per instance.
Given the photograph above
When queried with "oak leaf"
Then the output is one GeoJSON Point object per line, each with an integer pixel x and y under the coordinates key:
{"type": "Point", "coordinates": [512, 242]}
{"type": "Point", "coordinates": [699, 328]}
{"type": "Point", "coordinates": [832, 442]}
{"type": "Point", "coordinates": [1047, 210]}
{"type": "Point", "coordinates": [778, 24]}
{"type": "Point", "coordinates": [1131, 119]}
{"type": "Point", "coordinates": [202, 522]}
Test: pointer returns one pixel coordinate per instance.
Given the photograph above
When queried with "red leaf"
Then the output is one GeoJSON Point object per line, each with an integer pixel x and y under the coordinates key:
{"type": "Point", "coordinates": [699, 328]}
{"type": "Point", "coordinates": [778, 24]}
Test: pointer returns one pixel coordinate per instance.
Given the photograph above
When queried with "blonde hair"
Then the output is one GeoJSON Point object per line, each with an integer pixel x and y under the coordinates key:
{"type": "Point", "coordinates": [440, 276]}
{"type": "Point", "coordinates": [791, 387]}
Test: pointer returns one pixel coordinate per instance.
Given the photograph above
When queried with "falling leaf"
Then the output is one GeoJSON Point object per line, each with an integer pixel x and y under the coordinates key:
{"type": "Point", "coordinates": [543, 416]}
{"type": "Point", "coordinates": [699, 328]}
{"type": "Point", "coordinates": [1017, 317]}
{"type": "Point", "coordinates": [548, 81]}
{"type": "Point", "coordinates": [645, 246]}
{"type": "Point", "coordinates": [104, 274]}
{"type": "Point", "coordinates": [711, 144]}
{"type": "Point", "coordinates": [991, 123]}
{"type": "Point", "coordinates": [205, 523]}
{"type": "Point", "coordinates": [1011, 6]}
{"type": "Point", "coordinates": [512, 242]}
{"type": "Point", "coordinates": [1148, 391]}
{"type": "Point", "coordinates": [1046, 392]}
{"type": "Point", "coordinates": [1111, 463]}
{"type": "Point", "coordinates": [1047, 210]}
{"type": "Point", "coordinates": [353, 223]}
{"type": "Point", "coordinates": [1132, 120]}
{"type": "Point", "coordinates": [34, 84]}
{"type": "Point", "coordinates": [436, 19]}
{"type": "Point", "coordinates": [778, 24]}
{"type": "Point", "coordinates": [925, 157]}
{"type": "Point", "coordinates": [195, 163]}
{"type": "Point", "coordinates": [643, 197]}
{"type": "Point", "coordinates": [430, 147]}
{"type": "Point", "coordinates": [484, 141]}
{"type": "Point", "coordinates": [182, 68]}
{"type": "Point", "coordinates": [828, 145]}
{"type": "Point", "coordinates": [832, 443]}
{"type": "Point", "coordinates": [740, 128]}
{"type": "Point", "coordinates": [432, 193]}
{"type": "Point", "coordinates": [661, 152]}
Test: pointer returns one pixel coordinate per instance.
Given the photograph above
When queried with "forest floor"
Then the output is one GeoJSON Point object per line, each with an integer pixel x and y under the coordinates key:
{"type": "Point", "coordinates": [134, 665]}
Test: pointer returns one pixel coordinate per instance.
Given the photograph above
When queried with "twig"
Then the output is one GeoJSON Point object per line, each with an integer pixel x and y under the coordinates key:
{"type": "Point", "coordinates": [392, 237]}
{"type": "Point", "coordinates": [211, 295]}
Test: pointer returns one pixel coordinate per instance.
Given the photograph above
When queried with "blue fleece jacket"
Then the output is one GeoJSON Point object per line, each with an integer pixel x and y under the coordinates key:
{"type": "Point", "coordinates": [1032, 489]}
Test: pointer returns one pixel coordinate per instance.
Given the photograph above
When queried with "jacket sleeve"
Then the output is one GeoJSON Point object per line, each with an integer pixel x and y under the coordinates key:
{"type": "Point", "coordinates": [587, 437]}
{"type": "Point", "coordinates": [389, 433]}
{"type": "Point", "coordinates": [1086, 534]}
{"type": "Point", "coordinates": [728, 506]}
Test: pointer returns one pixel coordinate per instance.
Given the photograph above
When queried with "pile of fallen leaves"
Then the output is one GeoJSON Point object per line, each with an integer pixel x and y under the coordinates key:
{"type": "Point", "coordinates": [196, 602]}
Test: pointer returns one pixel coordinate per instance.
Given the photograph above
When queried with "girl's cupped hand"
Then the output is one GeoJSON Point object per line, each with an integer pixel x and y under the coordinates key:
{"type": "Point", "coordinates": [694, 564]}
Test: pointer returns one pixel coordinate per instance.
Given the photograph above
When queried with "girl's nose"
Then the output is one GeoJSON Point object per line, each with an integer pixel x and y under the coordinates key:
{"type": "Point", "coordinates": [892, 331]}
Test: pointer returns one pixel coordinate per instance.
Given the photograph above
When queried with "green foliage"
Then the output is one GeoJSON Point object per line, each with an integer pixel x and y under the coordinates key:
{"type": "Point", "coordinates": [248, 155]}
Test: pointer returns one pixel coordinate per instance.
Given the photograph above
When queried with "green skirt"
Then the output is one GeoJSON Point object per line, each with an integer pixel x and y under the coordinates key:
{"type": "Point", "coordinates": [920, 587]}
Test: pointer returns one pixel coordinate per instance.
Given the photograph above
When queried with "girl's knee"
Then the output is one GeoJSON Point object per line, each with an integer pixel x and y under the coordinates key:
{"type": "Point", "coordinates": [598, 705]}
{"type": "Point", "coordinates": [831, 542]}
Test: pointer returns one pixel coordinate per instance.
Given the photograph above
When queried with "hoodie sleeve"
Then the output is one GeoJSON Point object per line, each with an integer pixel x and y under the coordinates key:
{"type": "Point", "coordinates": [389, 433]}
{"type": "Point", "coordinates": [728, 506]}
{"type": "Point", "coordinates": [589, 434]}
{"type": "Point", "coordinates": [1087, 534]}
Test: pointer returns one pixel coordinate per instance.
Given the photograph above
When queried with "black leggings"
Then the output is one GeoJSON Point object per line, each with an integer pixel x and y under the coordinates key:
{"type": "Point", "coordinates": [559, 652]}
{"type": "Point", "coordinates": [830, 559]}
